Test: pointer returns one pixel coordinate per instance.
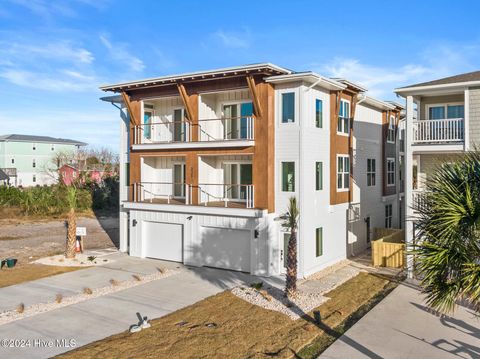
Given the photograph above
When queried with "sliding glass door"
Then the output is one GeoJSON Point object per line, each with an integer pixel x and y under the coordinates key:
{"type": "Point", "coordinates": [236, 176]}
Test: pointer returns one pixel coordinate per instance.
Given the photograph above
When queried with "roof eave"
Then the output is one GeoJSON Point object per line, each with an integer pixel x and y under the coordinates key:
{"type": "Point", "coordinates": [418, 89]}
{"type": "Point", "coordinates": [310, 77]}
{"type": "Point", "coordinates": [165, 80]}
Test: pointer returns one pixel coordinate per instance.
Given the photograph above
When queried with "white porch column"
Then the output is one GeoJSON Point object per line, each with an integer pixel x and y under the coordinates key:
{"type": "Point", "coordinates": [409, 182]}
{"type": "Point", "coordinates": [466, 125]}
{"type": "Point", "coordinates": [124, 158]}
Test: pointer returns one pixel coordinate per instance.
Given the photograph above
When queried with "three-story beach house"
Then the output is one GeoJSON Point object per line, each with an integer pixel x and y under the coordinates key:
{"type": "Point", "coordinates": [210, 159]}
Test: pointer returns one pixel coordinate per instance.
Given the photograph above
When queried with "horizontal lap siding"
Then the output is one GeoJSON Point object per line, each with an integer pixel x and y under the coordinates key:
{"type": "Point", "coordinates": [474, 117]}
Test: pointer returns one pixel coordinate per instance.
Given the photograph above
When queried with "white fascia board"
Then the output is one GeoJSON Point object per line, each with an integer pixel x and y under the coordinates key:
{"type": "Point", "coordinates": [419, 149]}
{"type": "Point", "coordinates": [194, 74]}
{"type": "Point", "coordinates": [188, 145]}
{"type": "Point", "coordinates": [310, 77]}
{"type": "Point", "coordinates": [203, 210]}
{"type": "Point", "coordinates": [378, 103]}
{"type": "Point", "coordinates": [416, 90]}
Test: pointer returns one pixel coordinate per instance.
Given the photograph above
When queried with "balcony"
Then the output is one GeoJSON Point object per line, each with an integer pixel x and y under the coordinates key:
{"type": "Point", "coordinates": [209, 195]}
{"type": "Point", "coordinates": [444, 133]}
{"type": "Point", "coordinates": [223, 181]}
{"type": "Point", "coordinates": [221, 132]}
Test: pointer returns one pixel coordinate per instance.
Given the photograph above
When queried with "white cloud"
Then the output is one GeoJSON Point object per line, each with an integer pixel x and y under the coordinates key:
{"type": "Point", "coordinates": [60, 50]}
{"type": "Point", "coordinates": [432, 63]}
{"type": "Point", "coordinates": [234, 40]}
{"type": "Point", "coordinates": [120, 53]}
{"type": "Point", "coordinates": [64, 80]}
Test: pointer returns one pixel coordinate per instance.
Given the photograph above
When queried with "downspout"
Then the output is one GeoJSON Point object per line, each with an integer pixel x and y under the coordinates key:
{"type": "Point", "coordinates": [363, 98]}
{"type": "Point", "coordinates": [300, 188]}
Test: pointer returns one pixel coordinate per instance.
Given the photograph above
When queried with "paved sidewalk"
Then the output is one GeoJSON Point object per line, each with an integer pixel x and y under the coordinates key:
{"type": "Point", "coordinates": [101, 317]}
{"type": "Point", "coordinates": [402, 327]}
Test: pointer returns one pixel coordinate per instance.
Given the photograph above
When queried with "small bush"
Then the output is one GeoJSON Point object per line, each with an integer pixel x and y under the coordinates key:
{"type": "Point", "coordinates": [114, 282]}
{"type": "Point", "coordinates": [87, 291]}
{"type": "Point", "coordinates": [136, 277]}
{"type": "Point", "coordinates": [21, 308]}
{"type": "Point", "coordinates": [58, 298]}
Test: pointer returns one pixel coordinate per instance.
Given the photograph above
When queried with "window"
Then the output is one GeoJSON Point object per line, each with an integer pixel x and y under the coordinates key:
{"type": "Point", "coordinates": [319, 241]}
{"type": "Point", "coordinates": [318, 113]}
{"type": "Point", "coordinates": [288, 107]}
{"type": "Point", "coordinates": [318, 176]}
{"type": "Point", "coordinates": [391, 130]}
{"type": "Point", "coordinates": [343, 172]}
{"type": "Point", "coordinates": [390, 171]}
{"type": "Point", "coordinates": [440, 112]}
{"type": "Point", "coordinates": [13, 161]}
{"type": "Point", "coordinates": [371, 172]}
{"type": "Point", "coordinates": [52, 147]}
{"type": "Point", "coordinates": [34, 164]}
{"type": "Point", "coordinates": [388, 216]}
{"type": "Point", "coordinates": [34, 147]}
{"type": "Point", "coordinates": [74, 174]}
{"type": "Point", "coordinates": [344, 117]}
{"type": "Point", "coordinates": [34, 179]}
{"type": "Point", "coordinates": [288, 176]}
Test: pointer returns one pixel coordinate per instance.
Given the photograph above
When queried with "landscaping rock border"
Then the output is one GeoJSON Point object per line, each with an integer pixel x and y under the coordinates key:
{"type": "Point", "coordinates": [13, 315]}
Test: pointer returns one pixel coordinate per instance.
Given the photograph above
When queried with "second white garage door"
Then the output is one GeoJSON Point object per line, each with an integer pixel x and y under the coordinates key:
{"type": "Point", "coordinates": [163, 241]}
{"type": "Point", "coordinates": [226, 248]}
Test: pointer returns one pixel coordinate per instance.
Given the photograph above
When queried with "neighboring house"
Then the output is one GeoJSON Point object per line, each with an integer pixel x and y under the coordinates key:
{"type": "Point", "coordinates": [442, 121]}
{"type": "Point", "coordinates": [4, 178]}
{"type": "Point", "coordinates": [70, 174]}
{"type": "Point", "coordinates": [209, 160]}
{"type": "Point", "coordinates": [29, 157]}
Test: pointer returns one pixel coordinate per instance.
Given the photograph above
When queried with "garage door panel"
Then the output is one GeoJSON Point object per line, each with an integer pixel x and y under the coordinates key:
{"type": "Point", "coordinates": [226, 248]}
{"type": "Point", "coordinates": [163, 240]}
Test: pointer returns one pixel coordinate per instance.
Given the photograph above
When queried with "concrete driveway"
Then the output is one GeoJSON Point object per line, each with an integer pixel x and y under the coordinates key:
{"type": "Point", "coordinates": [402, 327]}
{"type": "Point", "coordinates": [54, 332]}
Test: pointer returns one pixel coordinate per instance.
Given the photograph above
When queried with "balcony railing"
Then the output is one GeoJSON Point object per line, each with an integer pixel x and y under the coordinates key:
{"type": "Point", "coordinates": [214, 195]}
{"type": "Point", "coordinates": [438, 131]}
{"type": "Point", "coordinates": [219, 129]}
{"type": "Point", "coordinates": [162, 192]}
{"type": "Point", "coordinates": [230, 195]}
{"type": "Point", "coordinates": [419, 201]}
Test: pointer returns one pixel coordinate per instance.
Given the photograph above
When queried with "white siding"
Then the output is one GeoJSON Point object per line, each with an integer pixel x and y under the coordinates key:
{"type": "Point", "coordinates": [192, 224]}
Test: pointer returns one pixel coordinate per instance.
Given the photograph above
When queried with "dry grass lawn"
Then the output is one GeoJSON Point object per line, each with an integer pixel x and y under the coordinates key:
{"type": "Point", "coordinates": [29, 271]}
{"type": "Point", "coordinates": [242, 330]}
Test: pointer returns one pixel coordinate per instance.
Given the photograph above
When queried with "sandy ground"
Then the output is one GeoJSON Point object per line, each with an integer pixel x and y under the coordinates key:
{"type": "Point", "coordinates": [27, 241]}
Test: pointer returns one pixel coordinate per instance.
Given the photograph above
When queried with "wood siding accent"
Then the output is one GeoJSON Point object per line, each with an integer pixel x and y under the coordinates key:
{"type": "Point", "coordinates": [264, 158]}
{"type": "Point", "coordinates": [340, 145]}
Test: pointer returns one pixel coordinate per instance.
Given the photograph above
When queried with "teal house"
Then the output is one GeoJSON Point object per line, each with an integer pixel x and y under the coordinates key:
{"type": "Point", "coordinates": [26, 159]}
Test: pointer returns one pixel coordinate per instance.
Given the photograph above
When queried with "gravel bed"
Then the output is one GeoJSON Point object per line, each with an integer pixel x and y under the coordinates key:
{"type": "Point", "coordinates": [310, 292]}
{"type": "Point", "coordinates": [13, 315]}
{"type": "Point", "coordinates": [274, 299]}
{"type": "Point", "coordinates": [80, 260]}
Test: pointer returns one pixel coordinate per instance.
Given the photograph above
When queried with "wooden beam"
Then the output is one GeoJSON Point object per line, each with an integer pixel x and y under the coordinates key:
{"type": "Point", "coordinates": [126, 100]}
{"type": "Point", "coordinates": [186, 102]}
{"type": "Point", "coordinates": [254, 94]}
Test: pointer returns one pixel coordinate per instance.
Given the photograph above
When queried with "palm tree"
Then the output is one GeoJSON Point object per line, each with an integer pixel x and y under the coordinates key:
{"type": "Point", "coordinates": [448, 234]}
{"type": "Point", "coordinates": [71, 222]}
{"type": "Point", "coordinates": [290, 223]}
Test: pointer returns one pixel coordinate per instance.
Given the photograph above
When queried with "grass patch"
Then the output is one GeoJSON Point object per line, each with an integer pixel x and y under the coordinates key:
{"type": "Point", "coordinates": [30, 271]}
{"type": "Point", "coordinates": [319, 345]}
{"type": "Point", "coordinates": [242, 329]}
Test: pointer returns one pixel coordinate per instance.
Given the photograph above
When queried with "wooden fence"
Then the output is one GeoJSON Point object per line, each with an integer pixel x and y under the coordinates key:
{"type": "Point", "coordinates": [388, 249]}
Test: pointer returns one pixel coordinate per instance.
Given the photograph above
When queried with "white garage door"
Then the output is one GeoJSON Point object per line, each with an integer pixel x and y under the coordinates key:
{"type": "Point", "coordinates": [163, 241]}
{"type": "Point", "coordinates": [226, 248]}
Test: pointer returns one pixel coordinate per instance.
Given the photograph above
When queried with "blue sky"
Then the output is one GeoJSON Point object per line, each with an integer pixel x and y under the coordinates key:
{"type": "Point", "coordinates": [55, 53]}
